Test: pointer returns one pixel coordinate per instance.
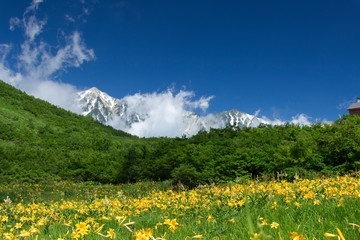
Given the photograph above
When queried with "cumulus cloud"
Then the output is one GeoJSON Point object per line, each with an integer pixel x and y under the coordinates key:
{"type": "Point", "coordinates": [171, 114]}
{"type": "Point", "coordinates": [160, 114]}
{"type": "Point", "coordinates": [38, 64]}
{"type": "Point", "coordinates": [299, 119]}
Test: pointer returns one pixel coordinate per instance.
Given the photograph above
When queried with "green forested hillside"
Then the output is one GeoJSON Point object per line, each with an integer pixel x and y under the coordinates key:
{"type": "Point", "coordinates": [41, 142]}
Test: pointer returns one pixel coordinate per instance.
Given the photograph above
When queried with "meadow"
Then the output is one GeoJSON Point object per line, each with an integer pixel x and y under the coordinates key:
{"type": "Point", "coordinates": [249, 209]}
{"type": "Point", "coordinates": [44, 150]}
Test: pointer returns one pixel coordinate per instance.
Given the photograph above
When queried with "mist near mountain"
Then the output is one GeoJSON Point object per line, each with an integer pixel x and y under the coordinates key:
{"type": "Point", "coordinates": [166, 114]}
{"type": "Point", "coordinates": [146, 115]}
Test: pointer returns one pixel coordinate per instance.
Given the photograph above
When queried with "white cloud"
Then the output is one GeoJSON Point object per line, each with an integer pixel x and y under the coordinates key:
{"type": "Point", "coordinates": [14, 22]}
{"type": "Point", "coordinates": [33, 6]}
{"type": "Point", "coordinates": [86, 10]}
{"type": "Point", "coordinates": [69, 18]}
{"type": "Point", "coordinates": [168, 114]}
{"type": "Point", "coordinates": [6, 73]}
{"type": "Point", "coordinates": [162, 113]}
{"type": "Point", "coordinates": [33, 27]}
{"type": "Point", "coordinates": [202, 103]}
{"type": "Point", "coordinates": [276, 121]}
{"type": "Point", "coordinates": [60, 94]}
{"type": "Point", "coordinates": [301, 119]}
{"type": "Point", "coordinates": [4, 51]}
{"type": "Point", "coordinates": [79, 52]}
{"type": "Point", "coordinates": [29, 22]}
{"type": "Point", "coordinates": [38, 63]}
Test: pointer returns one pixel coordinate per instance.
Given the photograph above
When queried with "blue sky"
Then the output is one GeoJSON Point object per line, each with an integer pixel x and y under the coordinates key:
{"type": "Point", "coordinates": [282, 57]}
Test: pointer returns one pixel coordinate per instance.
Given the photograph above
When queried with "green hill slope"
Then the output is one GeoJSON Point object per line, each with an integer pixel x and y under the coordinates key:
{"type": "Point", "coordinates": [41, 142]}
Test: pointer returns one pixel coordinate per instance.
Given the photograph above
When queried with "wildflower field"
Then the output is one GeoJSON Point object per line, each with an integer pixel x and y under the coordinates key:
{"type": "Point", "coordinates": [303, 209]}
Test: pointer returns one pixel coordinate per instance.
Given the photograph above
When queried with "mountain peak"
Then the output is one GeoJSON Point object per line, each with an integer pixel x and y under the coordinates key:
{"type": "Point", "coordinates": [95, 92]}
{"type": "Point", "coordinates": [100, 105]}
{"type": "Point", "coordinates": [94, 89]}
{"type": "Point", "coordinates": [110, 110]}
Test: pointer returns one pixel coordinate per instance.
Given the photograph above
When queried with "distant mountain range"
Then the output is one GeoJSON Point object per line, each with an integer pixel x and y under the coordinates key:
{"type": "Point", "coordinates": [112, 111]}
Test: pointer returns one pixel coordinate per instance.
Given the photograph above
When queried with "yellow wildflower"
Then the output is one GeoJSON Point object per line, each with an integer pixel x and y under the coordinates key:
{"type": "Point", "coordinates": [211, 218]}
{"type": "Point", "coordinates": [24, 234]}
{"type": "Point", "coordinates": [104, 218]}
{"type": "Point", "coordinates": [129, 223]}
{"type": "Point", "coordinates": [296, 236]}
{"type": "Point", "coordinates": [143, 235]}
{"type": "Point", "coordinates": [8, 236]}
{"type": "Point", "coordinates": [198, 236]}
{"type": "Point", "coordinates": [120, 218]}
{"type": "Point", "coordinates": [75, 235]}
{"type": "Point", "coordinates": [172, 224]}
{"type": "Point", "coordinates": [82, 228]}
{"type": "Point", "coordinates": [34, 230]}
{"type": "Point", "coordinates": [256, 236]}
{"type": "Point", "coordinates": [111, 233]}
{"type": "Point", "coordinates": [18, 225]}
{"type": "Point", "coordinates": [330, 235]}
{"type": "Point", "coordinates": [274, 225]}
{"type": "Point", "coordinates": [4, 218]}
{"type": "Point", "coordinates": [340, 234]}
{"type": "Point", "coordinates": [264, 222]}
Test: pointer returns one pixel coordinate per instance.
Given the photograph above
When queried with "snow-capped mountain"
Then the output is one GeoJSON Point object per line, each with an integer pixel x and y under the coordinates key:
{"type": "Point", "coordinates": [112, 111]}
{"type": "Point", "coordinates": [239, 119]}
{"type": "Point", "coordinates": [104, 108]}
{"type": "Point", "coordinates": [100, 105]}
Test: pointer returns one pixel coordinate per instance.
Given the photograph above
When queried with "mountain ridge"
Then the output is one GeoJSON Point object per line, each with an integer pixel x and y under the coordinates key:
{"type": "Point", "coordinates": [112, 111]}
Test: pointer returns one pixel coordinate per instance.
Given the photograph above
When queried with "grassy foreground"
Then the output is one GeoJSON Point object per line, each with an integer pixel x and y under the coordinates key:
{"type": "Point", "coordinates": [303, 209]}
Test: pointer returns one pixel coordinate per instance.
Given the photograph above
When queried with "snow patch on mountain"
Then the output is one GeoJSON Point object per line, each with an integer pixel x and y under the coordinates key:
{"type": "Point", "coordinates": [100, 105]}
{"type": "Point", "coordinates": [161, 114]}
